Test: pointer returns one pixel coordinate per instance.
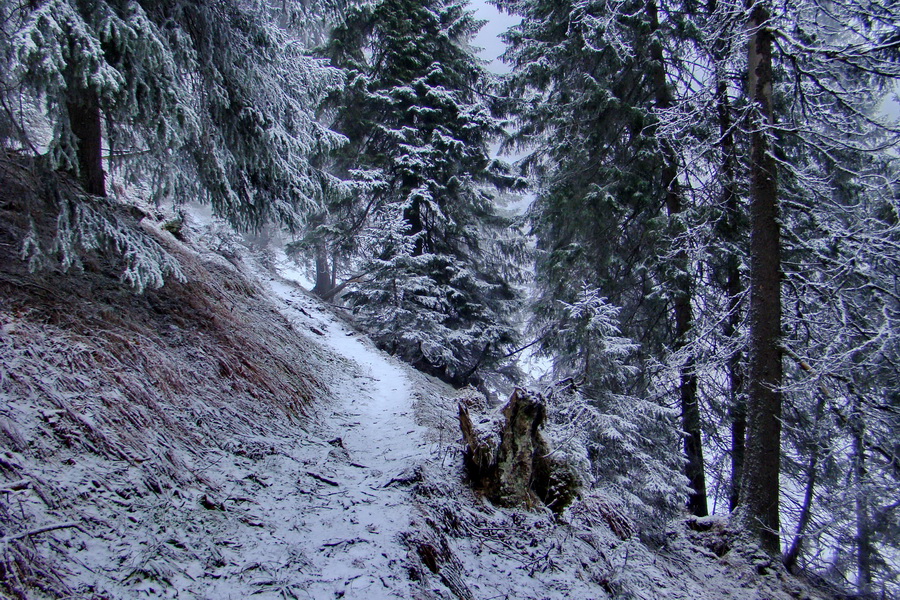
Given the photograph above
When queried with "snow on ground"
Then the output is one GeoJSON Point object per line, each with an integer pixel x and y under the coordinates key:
{"type": "Point", "coordinates": [455, 544]}
{"type": "Point", "coordinates": [232, 438]}
{"type": "Point", "coordinates": [198, 443]}
{"type": "Point", "coordinates": [376, 444]}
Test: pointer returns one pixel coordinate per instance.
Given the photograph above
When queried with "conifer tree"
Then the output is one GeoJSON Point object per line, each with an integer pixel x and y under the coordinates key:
{"type": "Point", "coordinates": [208, 100]}
{"type": "Point", "coordinates": [589, 79]}
{"type": "Point", "coordinates": [821, 131]}
{"type": "Point", "coordinates": [438, 285]}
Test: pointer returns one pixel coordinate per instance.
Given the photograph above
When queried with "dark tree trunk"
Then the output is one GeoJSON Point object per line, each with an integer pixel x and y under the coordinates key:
{"type": "Point", "coordinates": [738, 414]}
{"type": "Point", "coordinates": [863, 524]}
{"type": "Point", "coordinates": [793, 552]}
{"type": "Point", "coordinates": [85, 121]}
{"type": "Point", "coordinates": [760, 481]}
{"type": "Point", "coordinates": [734, 287]}
{"type": "Point", "coordinates": [324, 280]}
{"type": "Point", "coordinates": [687, 387]}
{"type": "Point", "coordinates": [691, 423]}
{"type": "Point", "coordinates": [738, 408]}
{"type": "Point", "coordinates": [334, 269]}
{"type": "Point", "coordinates": [415, 226]}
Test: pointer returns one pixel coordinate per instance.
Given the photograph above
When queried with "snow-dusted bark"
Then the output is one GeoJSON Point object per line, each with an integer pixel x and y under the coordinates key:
{"type": "Point", "coordinates": [758, 504]}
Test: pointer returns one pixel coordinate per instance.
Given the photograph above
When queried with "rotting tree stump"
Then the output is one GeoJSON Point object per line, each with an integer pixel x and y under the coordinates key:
{"type": "Point", "coordinates": [509, 461]}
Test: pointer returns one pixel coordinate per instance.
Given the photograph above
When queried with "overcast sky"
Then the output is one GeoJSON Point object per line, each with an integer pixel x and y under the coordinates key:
{"type": "Point", "coordinates": [497, 23]}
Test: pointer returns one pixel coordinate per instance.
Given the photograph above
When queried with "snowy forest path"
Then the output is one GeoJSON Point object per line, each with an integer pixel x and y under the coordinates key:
{"type": "Point", "coordinates": [354, 533]}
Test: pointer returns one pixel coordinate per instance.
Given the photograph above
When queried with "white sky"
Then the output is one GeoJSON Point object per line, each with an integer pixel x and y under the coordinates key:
{"type": "Point", "coordinates": [487, 39]}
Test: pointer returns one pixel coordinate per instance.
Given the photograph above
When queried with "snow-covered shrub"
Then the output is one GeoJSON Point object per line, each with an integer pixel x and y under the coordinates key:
{"type": "Point", "coordinates": [586, 343]}
{"type": "Point", "coordinates": [627, 445]}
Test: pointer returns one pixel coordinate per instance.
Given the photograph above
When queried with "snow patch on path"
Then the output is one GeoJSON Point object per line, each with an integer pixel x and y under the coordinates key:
{"type": "Point", "coordinates": [374, 447]}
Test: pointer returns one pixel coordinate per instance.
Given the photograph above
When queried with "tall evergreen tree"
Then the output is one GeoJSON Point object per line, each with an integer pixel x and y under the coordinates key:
{"type": "Point", "coordinates": [208, 100]}
{"type": "Point", "coordinates": [589, 79]}
{"type": "Point", "coordinates": [759, 494]}
{"type": "Point", "coordinates": [679, 276]}
{"type": "Point", "coordinates": [582, 98]}
{"type": "Point", "coordinates": [438, 285]}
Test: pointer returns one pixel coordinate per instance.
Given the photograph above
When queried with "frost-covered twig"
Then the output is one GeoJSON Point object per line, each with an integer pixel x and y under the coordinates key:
{"type": "Point", "coordinates": [38, 530]}
{"type": "Point", "coordinates": [323, 479]}
{"type": "Point", "coordinates": [16, 486]}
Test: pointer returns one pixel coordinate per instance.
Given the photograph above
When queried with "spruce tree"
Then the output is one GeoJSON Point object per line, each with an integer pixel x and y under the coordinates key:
{"type": "Point", "coordinates": [203, 100]}
{"type": "Point", "coordinates": [438, 285]}
{"type": "Point", "coordinates": [589, 79]}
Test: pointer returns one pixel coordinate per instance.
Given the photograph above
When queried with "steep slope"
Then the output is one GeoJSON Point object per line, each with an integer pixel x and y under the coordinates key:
{"type": "Point", "coordinates": [175, 443]}
{"type": "Point", "coordinates": [230, 437]}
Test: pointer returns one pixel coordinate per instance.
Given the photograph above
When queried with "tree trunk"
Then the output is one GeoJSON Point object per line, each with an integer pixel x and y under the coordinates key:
{"type": "Point", "coordinates": [414, 226]}
{"type": "Point", "coordinates": [687, 387]}
{"type": "Point", "coordinates": [863, 525]}
{"type": "Point", "coordinates": [759, 485]}
{"type": "Point", "coordinates": [334, 268]}
{"type": "Point", "coordinates": [738, 415]}
{"type": "Point", "coordinates": [793, 552]}
{"type": "Point", "coordinates": [324, 280]}
{"type": "Point", "coordinates": [85, 121]}
{"type": "Point", "coordinates": [734, 287]}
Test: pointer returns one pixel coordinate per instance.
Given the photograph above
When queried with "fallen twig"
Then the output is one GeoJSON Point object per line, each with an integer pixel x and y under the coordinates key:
{"type": "Point", "coordinates": [16, 486]}
{"type": "Point", "coordinates": [341, 542]}
{"type": "Point", "coordinates": [323, 479]}
{"type": "Point", "coordinates": [18, 536]}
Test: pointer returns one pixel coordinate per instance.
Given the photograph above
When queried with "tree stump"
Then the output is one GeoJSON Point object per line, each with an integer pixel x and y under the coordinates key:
{"type": "Point", "coordinates": [508, 460]}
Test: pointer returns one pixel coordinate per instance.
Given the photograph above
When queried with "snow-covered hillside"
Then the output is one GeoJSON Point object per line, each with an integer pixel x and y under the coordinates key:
{"type": "Point", "coordinates": [231, 437]}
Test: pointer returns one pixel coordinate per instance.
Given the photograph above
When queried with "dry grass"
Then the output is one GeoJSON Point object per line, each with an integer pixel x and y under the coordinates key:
{"type": "Point", "coordinates": [154, 382]}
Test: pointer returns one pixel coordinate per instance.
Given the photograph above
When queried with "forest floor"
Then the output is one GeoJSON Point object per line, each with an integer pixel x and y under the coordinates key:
{"type": "Point", "coordinates": [232, 437]}
{"type": "Point", "coordinates": [225, 438]}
